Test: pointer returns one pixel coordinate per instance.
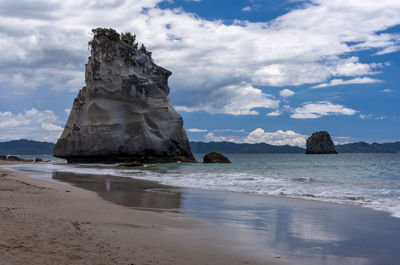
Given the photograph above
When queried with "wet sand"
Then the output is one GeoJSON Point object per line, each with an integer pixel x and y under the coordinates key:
{"type": "Point", "coordinates": [44, 222]}
{"type": "Point", "coordinates": [94, 219]}
{"type": "Point", "coordinates": [294, 231]}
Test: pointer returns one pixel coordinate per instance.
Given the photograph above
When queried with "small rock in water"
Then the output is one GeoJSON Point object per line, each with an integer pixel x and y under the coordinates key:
{"type": "Point", "coordinates": [215, 157]}
{"type": "Point", "coordinates": [16, 158]}
{"type": "Point", "coordinates": [13, 158]}
{"type": "Point", "coordinates": [320, 143]}
{"type": "Point", "coordinates": [38, 160]}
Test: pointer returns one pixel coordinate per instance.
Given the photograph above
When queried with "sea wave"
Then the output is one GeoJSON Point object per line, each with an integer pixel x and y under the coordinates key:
{"type": "Point", "coordinates": [384, 197]}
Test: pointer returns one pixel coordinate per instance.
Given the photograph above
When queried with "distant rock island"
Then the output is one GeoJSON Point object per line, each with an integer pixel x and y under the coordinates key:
{"type": "Point", "coordinates": [29, 147]}
{"type": "Point", "coordinates": [123, 113]}
{"type": "Point", "coordinates": [320, 143]}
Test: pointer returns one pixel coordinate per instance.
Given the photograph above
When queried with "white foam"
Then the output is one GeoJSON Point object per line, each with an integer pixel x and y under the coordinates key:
{"type": "Point", "coordinates": [382, 198]}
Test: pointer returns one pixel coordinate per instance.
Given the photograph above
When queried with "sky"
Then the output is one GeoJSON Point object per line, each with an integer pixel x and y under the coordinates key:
{"type": "Point", "coordinates": [243, 71]}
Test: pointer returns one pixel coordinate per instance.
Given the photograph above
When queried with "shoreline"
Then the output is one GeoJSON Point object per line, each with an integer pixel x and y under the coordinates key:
{"type": "Point", "coordinates": [347, 201]}
{"type": "Point", "coordinates": [228, 227]}
{"type": "Point", "coordinates": [48, 222]}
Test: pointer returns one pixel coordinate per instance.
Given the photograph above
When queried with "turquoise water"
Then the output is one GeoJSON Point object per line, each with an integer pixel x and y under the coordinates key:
{"type": "Point", "coordinates": [370, 180]}
{"type": "Point", "coordinates": [268, 225]}
{"type": "Point", "coordinates": [44, 157]}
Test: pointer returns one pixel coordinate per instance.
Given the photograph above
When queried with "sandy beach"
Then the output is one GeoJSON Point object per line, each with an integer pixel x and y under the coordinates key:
{"type": "Point", "coordinates": [63, 217]}
{"type": "Point", "coordinates": [44, 222]}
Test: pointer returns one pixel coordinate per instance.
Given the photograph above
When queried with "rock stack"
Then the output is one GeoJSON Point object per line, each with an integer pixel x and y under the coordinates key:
{"type": "Point", "coordinates": [123, 113]}
{"type": "Point", "coordinates": [320, 143]}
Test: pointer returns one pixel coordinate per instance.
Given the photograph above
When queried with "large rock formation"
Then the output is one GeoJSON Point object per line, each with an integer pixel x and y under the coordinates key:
{"type": "Point", "coordinates": [123, 113]}
{"type": "Point", "coordinates": [320, 143]}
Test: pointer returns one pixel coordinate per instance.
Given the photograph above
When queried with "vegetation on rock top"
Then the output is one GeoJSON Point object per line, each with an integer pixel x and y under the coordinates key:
{"type": "Point", "coordinates": [113, 35]}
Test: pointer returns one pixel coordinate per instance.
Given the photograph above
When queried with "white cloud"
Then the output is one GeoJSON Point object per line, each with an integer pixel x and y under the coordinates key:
{"type": "Point", "coordinates": [343, 140]}
{"type": "Point", "coordinates": [247, 8]}
{"type": "Point", "coordinates": [31, 124]}
{"type": "Point", "coordinates": [358, 80]}
{"type": "Point", "coordinates": [365, 116]}
{"type": "Point", "coordinates": [211, 137]}
{"type": "Point", "coordinates": [276, 138]}
{"type": "Point", "coordinates": [235, 137]}
{"type": "Point", "coordinates": [305, 46]}
{"type": "Point", "coordinates": [387, 90]}
{"type": "Point", "coordinates": [293, 73]}
{"type": "Point", "coordinates": [229, 130]}
{"type": "Point", "coordinates": [319, 109]}
{"type": "Point", "coordinates": [352, 67]}
{"type": "Point", "coordinates": [286, 93]}
{"type": "Point", "coordinates": [195, 130]}
{"type": "Point", "coordinates": [279, 137]}
{"type": "Point", "coordinates": [57, 79]}
{"type": "Point", "coordinates": [370, 116]}
{"type": "Point", "coordinates": [51, 127]}
{"type": "Point", "coordinates": [286, 74]}
{"type": "Point", "coordinates": [275, 113]}
{"type": "Point", "coordinates": [389, 49]}
{"type": "Point", "coordinates": [239, 99]}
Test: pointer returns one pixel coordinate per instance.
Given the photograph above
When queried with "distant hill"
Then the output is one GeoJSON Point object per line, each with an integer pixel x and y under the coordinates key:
{"type": "Point", "coordinates": [262, 148]}
{"type": "Point", "coordinates": [29, 147]}
{"type": "Point", "coordinates": [26, 147]}
{"type": "Point", "coordinates": [362, 147]}
{"type": "Point", "coordinates": [233, 148]}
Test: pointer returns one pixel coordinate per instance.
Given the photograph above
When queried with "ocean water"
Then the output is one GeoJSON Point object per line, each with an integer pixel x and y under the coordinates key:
{"type": "Point", "coordinates": [368, 180]}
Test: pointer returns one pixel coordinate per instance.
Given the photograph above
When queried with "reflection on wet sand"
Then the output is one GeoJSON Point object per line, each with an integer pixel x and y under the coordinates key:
{"type": "Point", "coordinates": [300, 231]}
{"type": "Point", "coordinates": [126, 191]}
{"type": "Point", "coordinates": [296, 231]}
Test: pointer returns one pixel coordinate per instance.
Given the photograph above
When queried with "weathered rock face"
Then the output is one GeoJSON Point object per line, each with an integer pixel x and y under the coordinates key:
{"type": "Point", "coordinates": [123, 113]}
{"type": "Point", "coordinates": [215, 157]}
{"type": "Point", "coordinates": [320, 143]}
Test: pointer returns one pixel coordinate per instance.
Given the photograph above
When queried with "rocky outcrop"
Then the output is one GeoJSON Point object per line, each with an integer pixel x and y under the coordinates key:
{"type": "Point", "coordinates": [123, 113]}
{"type": "Point", "coordinates": [15, 159]}
{"type": "Point", "coordinates": [320, 143]}
{"type": "Point", "coordinates": [215, 157]}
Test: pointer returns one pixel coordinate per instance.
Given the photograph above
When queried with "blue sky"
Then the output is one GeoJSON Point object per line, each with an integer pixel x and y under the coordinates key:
{"type": "Point", "coordinates": [243, 71]}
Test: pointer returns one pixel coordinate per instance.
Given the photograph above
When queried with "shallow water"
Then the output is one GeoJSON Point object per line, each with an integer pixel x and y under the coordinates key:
{"type": "Point", "coordinates": [292, 230]}
{"type": "Point", "coordinates": [260, 225]}
{"type": "Point", "coordinates": [370, 180]}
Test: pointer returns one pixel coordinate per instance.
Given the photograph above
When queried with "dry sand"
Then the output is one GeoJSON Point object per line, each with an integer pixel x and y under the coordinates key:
{"type": "Point", "coordinates": [45, 222]}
